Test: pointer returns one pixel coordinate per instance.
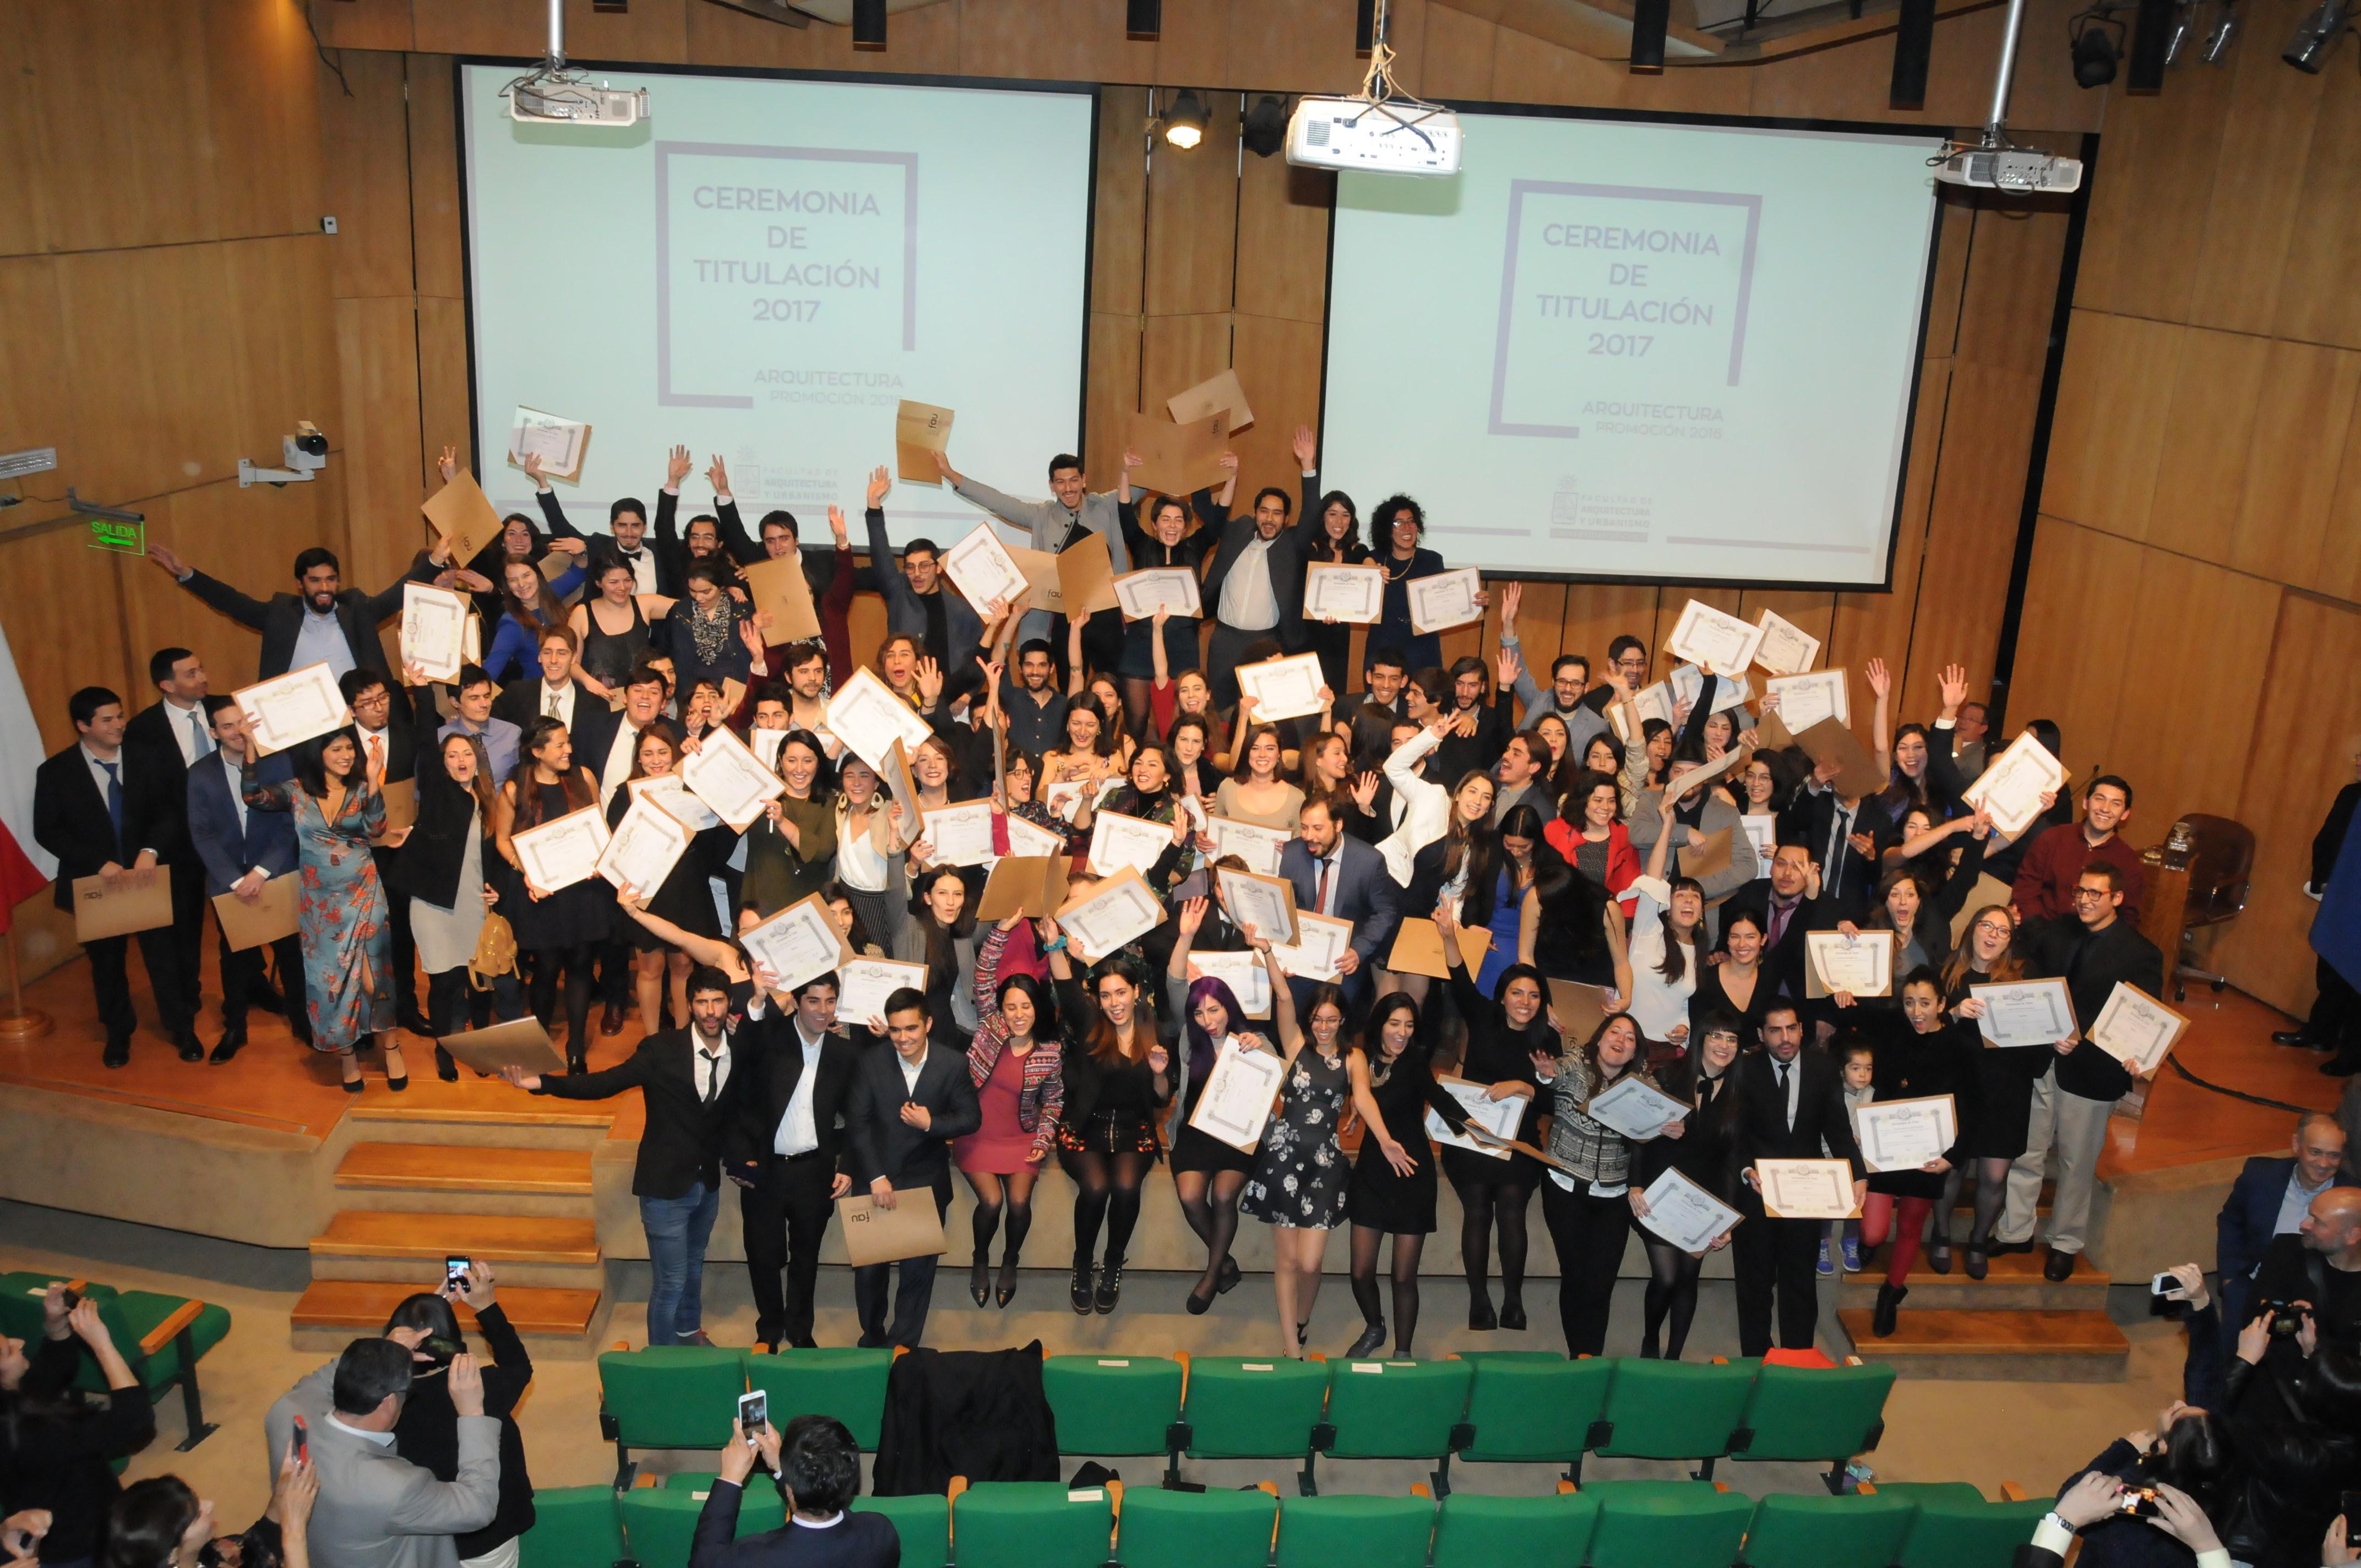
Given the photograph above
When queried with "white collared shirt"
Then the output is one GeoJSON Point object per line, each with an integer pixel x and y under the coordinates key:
{"type": "Point", "coordinates": [195, 740]}
{"type": "Point", "coordinates": [910, 1071]}
{"type": "Point", "coordinates": [799, 1132]}
{"type": "Point", "coordinates": [383, 1439]}
{"type": "Point", "coordinates": [1248, 602]}
{"type": "Point", "coordinates": [619, 761]}
{"type": "Point", "coordinates": [708, 1064]}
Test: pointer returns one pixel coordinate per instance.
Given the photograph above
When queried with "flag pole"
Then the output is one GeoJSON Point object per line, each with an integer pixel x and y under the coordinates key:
{"type": "Point", "coordinates": [19, 1022]}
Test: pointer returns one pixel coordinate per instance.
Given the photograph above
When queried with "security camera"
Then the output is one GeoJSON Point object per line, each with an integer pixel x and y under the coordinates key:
{"type": "Point", "coordinates": [305, 453]}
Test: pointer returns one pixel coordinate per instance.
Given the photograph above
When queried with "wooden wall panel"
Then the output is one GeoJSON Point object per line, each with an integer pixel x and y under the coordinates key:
{"type": "Point", "coordinates": [1113, 392]}
{"type": "Point", "coordinates": [2070, 665]}
{"type": "Point", "coordinates": [442, 389]}
{"type": "Point", "coordinates": [1307, 46]}
{"type": "Point", "coordinates": [2157, 167]}
{"type": "Point", "coordinates": [2201, 464]}
{"type": "Point", "coordinates": [362, 24]}
{"type": "Point", "coordinates": [2016, 252]}
{"type": "Point", "coordinates": [2317, 303]}
{"type": "Point", "coordinates": [437, 265]}
{"type": "Point", "coordinates": [63, 609]}
{"type": "Point", "coordinates": [1177, 352]}
{"type": "Point", "coordinates": [1194, 49]}
{"type": "Point", "coordinates": [2109, 427]}
{"type": "Point", "coordinates": [2282, 518]}
{"type": "Point", "coordinates": [1278, 365]}
{"type": "Point", "coordinates": [1193, 217]}
{"type": "Point", "coordinates": [1963, 586]}
{"type": "Point", "coordinates": [36, 408]}
{"type": "Point", "coordinates": [376, 342]}
{"type": "Point", "coordinates": [2340, 558]}
{"type": "Point", "coordinates": [2293, 769]}
{"type": "Point", "coordinates": [2255, 203]}
{"type": "Point", "coordinates": [1283, 239]}
{"type": "Point", "coordinates": [265, 123]}
{"type": "Point", "coordinates": [368, 136]}
{"type": "Point", "coordinates": [2177, 766]}
{"type": "Point", "coordinates": [1119, 211]}
{"type": "Point", "coordinates": [1457, 58]}
{"type": "Point", "coordinates": [284, 368]}
{"type": "Point", "coordinates": [1050, 40]}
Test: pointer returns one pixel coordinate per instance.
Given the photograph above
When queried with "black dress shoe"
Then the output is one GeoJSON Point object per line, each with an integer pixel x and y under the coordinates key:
{"type": "Point", "coordinates": [415, 1022]}
{"type": "Point", "coordinates": [2289, 1037]}
{"type": "Point", "coordinates": [612, 1021]}
{"type": "Point", "coordinates": [1976, 1262]}
{"type": "Point", "coordinates": [229, 1046]}
{"type": "Point", "coordinates": [1513, 1312]}
{"type": "Point", "coordinates": [118, 1053]}
{"type": "Point", "coordinates": [2341, 1065]}
{"type": "Point", "coordinates": [1479, 1312]}
{"type": "Point", "coordinates": [1372, 1340]}
{"type": "Point", "coordinates": [444, 1067]}
{"type": "Point", "coordinates": [1227, 1280]}
{"type": "Point", "coordinates": [1889, 1301]}
{"type": "Point", "coordinates": [192, 1048]}
{"type": "Point", "coordinates": [2059, 1268]}
{"type": "Point", "coordinates": [1938, 1257]}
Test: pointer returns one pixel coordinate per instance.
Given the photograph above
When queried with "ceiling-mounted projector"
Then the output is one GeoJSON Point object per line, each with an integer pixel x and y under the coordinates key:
{"type": "Point", "coordinates": [567, 98]}
{"type": "Point", "coordinates": [2016, 171]}
{"type": "Point", "coordinates": [1391, 136]}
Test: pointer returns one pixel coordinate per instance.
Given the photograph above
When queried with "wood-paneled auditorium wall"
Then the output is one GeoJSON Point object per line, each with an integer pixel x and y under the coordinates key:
{"type": "Point", "coordinates": [2199, 557]}
{"type": "Point", "coordinates": [168, 303]}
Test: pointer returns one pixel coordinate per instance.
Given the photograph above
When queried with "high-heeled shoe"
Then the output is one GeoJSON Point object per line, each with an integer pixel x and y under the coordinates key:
{"type": "Point", "coordinates": [979, 1273]}
{"type": "Point", "coordinates": [348, 1060]}
{"type": "Point", "coordinates": [396, 1084]}
{"type": "Point", "coordinates": [1976, 1263]}
{"type": "Point", "coordinates": [1889, 1303]}
{"type": "Point", "coordinates": [1006, 1290]}
{"type": "Point", "coordinates": [444, 1067]}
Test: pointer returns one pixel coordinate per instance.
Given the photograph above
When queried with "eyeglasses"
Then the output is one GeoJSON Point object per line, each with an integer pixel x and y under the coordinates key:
{"type": "Point", "coordinates": [1994, 928]}
{"type": "Point", "coordinates": [2082, 892]}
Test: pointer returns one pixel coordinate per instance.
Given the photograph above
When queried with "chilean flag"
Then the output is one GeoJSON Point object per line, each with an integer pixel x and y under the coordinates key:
{"type": "Point", "coordinates": [24, 867]}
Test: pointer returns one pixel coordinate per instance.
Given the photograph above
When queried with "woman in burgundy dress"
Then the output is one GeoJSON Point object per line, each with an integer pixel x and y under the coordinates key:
{"type": "Point", "coordinates": [1020, 1079]}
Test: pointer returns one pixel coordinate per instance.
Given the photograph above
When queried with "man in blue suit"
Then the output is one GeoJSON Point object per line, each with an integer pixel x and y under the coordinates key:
{"type": "Point", "coordinates": [242, 848]}
{"type": "Point", "coordinates": [2269, 1199]}
{"type": "Point", "coordinates": [1338, 875]}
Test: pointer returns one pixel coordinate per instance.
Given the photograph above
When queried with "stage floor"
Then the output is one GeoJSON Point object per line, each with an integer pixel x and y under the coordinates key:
{"type": "Point", "coordinates": [275, 1083]}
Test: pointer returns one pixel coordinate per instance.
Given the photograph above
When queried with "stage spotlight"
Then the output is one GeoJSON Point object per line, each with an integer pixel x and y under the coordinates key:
{"type": "Point", "coordinates": [2095, 50]}
{"type": "Point", "coordinates": [1265, 130]}
{"type": "Point", "coordinates": [1649, 18]}
{"type": "Point", "coordinates": [2316, 36]}
{"type": "Point", "coordinates": [2223, 33]}
{"type": "Point", "coordinates": [1914, 42]}
{"type": "Point", "coordinates": [1143, 20]}
{"type": "Point", "coordinates": [2181, 33]}
{"type": "Point", "coordinates": [1184, 121]}
{"type": "Point", "coordinates": [2154, 27]}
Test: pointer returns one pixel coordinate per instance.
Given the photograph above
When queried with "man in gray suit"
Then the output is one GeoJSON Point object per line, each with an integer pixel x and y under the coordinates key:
{"type": "Point", "coordinates": [377, 1509]}
{"type": "Point", "coordinates": [1337, 875]}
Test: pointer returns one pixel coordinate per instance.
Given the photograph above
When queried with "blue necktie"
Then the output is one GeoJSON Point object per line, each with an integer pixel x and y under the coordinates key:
{"type": "Point", "coordinates": [115, 802]}
{"type": "Point", "coordinates": [205, 742]}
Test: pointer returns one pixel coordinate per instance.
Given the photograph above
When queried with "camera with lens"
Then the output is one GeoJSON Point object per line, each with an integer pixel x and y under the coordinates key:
{"type": "Point", "coordinates": [2283, 1319]}
{"type": "Point", "coordinates": [309, 440]}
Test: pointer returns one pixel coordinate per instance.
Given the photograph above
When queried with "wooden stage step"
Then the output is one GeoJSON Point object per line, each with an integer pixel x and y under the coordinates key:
{"type": "Point", "coordinates": [2014, 1280]}
{"type": "Point", "coordinates": [2025, 1344]}
{"type": "Point", "coordinates": [367, 1303]}
{"type": "Point", "coordinates": [442, 1167]}
{"type": "Point", "coordinates": [478, 1114]}
{"type": "Point", "coordinates": [526, 1249]}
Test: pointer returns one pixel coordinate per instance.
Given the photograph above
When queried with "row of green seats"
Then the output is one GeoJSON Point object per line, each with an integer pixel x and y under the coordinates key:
{"type": "Point", "coordinates": [1504, 1407]}
{"type": "Point", "coordinates": [163, 1337]}
{"type": "Point", "coordinates": [1608, 1524]}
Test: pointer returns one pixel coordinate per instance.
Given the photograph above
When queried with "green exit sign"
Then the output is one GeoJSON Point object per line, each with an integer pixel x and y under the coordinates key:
{"type": "Point", "coordinates": [131, 538]}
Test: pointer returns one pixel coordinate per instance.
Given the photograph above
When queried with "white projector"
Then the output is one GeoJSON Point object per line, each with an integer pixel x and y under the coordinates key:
{"type": "Point", "coordinates": [552, 101]}
{"type": "Point", "coordinates": [1392, 138]}
{"type": "Point", "coordinates": [2011, 171]}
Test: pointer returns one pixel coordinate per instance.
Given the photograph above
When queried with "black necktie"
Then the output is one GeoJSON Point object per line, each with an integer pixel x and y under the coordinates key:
{"type": "Point", "coordinates": [712, 1075]}
{"type": "Point", "coordinates": [115, 802]}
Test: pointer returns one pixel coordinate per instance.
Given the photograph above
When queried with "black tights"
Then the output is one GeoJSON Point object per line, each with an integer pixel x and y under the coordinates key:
{"type": "Point", "coordinates": [578, 961]}
{"type": "Point", "coordinates": [1672, 1291]}
{"type": "Point", "coordinates": [1407, 1249]}
{"type": "Point", "coordinates": [994, 1194]}
{"type": "Point", "coordinates": [1106, 1190]}
{"type": "Point", "coordinates": [1209, 1201]}
{"type": "Point", "coordinates": [1480, 1205]}
{"type": "Point", "coordinates": [1991, 1196]}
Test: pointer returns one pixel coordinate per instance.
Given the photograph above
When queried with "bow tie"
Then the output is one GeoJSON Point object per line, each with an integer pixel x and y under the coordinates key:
{"type": "Point", "coordinates": [631, 556]}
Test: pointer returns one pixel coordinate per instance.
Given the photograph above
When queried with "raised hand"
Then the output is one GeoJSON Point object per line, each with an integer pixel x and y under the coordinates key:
{"type": "Point", "coordinates": [1132, 459]}
{"type": "Point", "coordinates": [1954, 688]}
{"type": "Point", "coordinates": [1505, 665]}
{"type": "Point", "coordinates": [1512, 596]}
{"type": "Point", "coordinates": [836, 525]}
{"type": "Point", "coordinates": [718, 475]}
{"type": "Point", "coordinates": [1879, 680]}
{"type": "Point", "coordinates": [931, 682]}
{"type": "Point", "coordinates": [880, 481]}
{"type": "Point", "coordinates": [449, 464]}
{"type": "Point", "coordinates": [467, 1385]}
{"type": "Point", "coordinates": [1364, 792]}
{"type": "Point", "coordinates": [1228, 460]}
{"type": "Point", "coordinates": [165, 557]}
{"type": "Point", "coordinates": [1192, 916]}
{"type": "Point", "coordinates": [676, 466]}
{"type": "Point", "coordinates": [1305, 446]}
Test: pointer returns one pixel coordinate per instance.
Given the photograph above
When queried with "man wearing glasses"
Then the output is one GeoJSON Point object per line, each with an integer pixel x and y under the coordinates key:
{"type": "Point", "coordinates": [2044, 889]}
{"type": "Point", "coordinates": [2092, 951]}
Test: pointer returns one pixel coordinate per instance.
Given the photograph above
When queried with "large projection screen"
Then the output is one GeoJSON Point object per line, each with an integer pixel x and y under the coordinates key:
{"type": "Point", "coordinates": [765, 270]}
{"type": "Point", "coordinates": [1672, 351]}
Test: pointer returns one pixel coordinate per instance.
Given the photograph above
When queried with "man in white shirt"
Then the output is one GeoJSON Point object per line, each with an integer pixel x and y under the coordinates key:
{"type": "Point", "coordinates": [239, 849]}
{"type": "Point", "coordinates": [1255, 586]}
{"type": "Point", "coordinates": [557, 695]}
{"type": "Point", "coordinates": [785, 1151]}
{"type": "Point", "coordinates": [168, 739]}
{"type": "Point", "coordinates": [906, 1105]}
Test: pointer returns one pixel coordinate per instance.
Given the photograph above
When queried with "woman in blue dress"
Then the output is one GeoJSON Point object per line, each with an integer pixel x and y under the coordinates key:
{"type": "Point", "coordinates": [1520, 833]}
{"type": "Point", "coordinates": [340, 910]}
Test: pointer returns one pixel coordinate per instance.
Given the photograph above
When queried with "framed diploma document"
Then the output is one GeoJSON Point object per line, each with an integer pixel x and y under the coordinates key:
{"type": "Point", "coordinates": [1139, 595]}
{"type": "Point", "coordinates": [1319, 944]}
{"type": "Point", "coordinates": [1355, 595]}
{"type": "Point", "coordinates": [1705, 635]}
{"type": "Point", "coordinates": [2010, 789]}
{"type": "Point", "coordinates": [563, 849]}
{"type": "Point", "coordinates": [800, 943]}
{"type": "Point", "coordinates": [1259, 846]}
{"type": "Point", "coordinates": [1684, 1214]}
{"type": "Point", "coordinates": [1105, 916]}
{"type": "Point", "coordinates": [1903, 1135]}
{"type": "Point", "coordinates": [1804, 700]}
{"type": "Point", "coordinates": [1243, 973]}
{"type": "Point", "coordinates": [1444, 600]}
{"type": "Point", "coordinates": [287, 710]}
{"type": "Point", "coordinates": [2028, 1012]}
{"type": "Point", "coordinates": [863, 985]}
{"type": "Point", "coordinates": [729, 778]}
{"type": "Point", "coordinates": [982, 569]}
{"type": "Point", "coordinates": [1784, 648]}
{"type": "Point", "coordinates": [2136, 1030]}
{"type": "Point", "coordinates": [1636, 1109]}
{"type": "Point", "coordinates": [1806, 1189]}
{"type": "Point", "coordinates": [962, 833]}
{"type": "Point", "coordinates": [646, 844]}
{"type": "Point", "coordinates": [1238, 1094]}
{"type": "Point", "coordinates": [558, 442]}
{"type": "Point", "coordinates": [1500, 1118]}
{"type": "Point", "coordinates": [1118, 842]}
{"type": "Point", "coordinates": [1863, 965]}
{"type": "Point", "coordinates": [434, 631]}
{"type": "Point", "coordinates": [1264, 903]}
{"type": "Point", "coordinates": [868, 717]}
{"type": "Point", "coordinates": [1283, 688]}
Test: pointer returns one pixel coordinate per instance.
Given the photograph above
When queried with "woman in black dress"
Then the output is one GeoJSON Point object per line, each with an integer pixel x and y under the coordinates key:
{"type": "Point", "coordinates": [1918, 1056]}
{"type": "Point", "coordinates": [1996, 1114]}
{"type": "Point", "coordinates": [1700, 1147]}
{"type": "Point", "coordinates": [564, 928]}
{"type": "Point", "coordinates": [1504, 1030]}
{"type": "Point", "coordinates": [1118, 1079]}
{"type": "Point", "coordinates": [1735, 984]}
{"type": "Point", "coordinates": [685, 898]}
{"type": "Point", "coordinates": [1329, 530]}
{"type": "Point", "coordinates": [1392, 1186]}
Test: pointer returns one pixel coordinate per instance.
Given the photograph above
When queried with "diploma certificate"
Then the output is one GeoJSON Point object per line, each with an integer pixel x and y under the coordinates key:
{"type": "Point", "coordinates": [800, 943]}
{"type": "Point", "coordinates": [1502, 1118]}
{"type": "Point", "coordinates": [1784, 648]}
{"type": "Point", "coordinates": [1321, 942]}
{"type": "Point", "coordinates": [1024, 838]}
{"type": "Point", "coordinates": [1903, 1135]}
{"type": "Point", "coordinates": [1117, 842]}
{"type": "Point", "coordinates": [1806, 1189]}
{"type": "Point", "coordinates": [1258, 846]}
{"type": "Point", "coordinates": [863, 985]}
{"type": "Point", "coordinates": [1107, 916]}
{"type": "Point", "coordinates": [1804, 700]}
{"type": "Point", "coordinates": [1729, 691]}
{"type": "Point", "coordinates": [2010, 789]}
{"type": "Point", "coordinates": [868, 717]}
{"type": "Point", "coordinates": [563, 849]}
{"type": "Point", "coordinates": [1139, 595]}
{"type": "Point", "coordinates": [1684, 1214]}
{"type": "Point", "coordinates": [670, 791]}
{"type": "Point", "coordinates": [557, 442]}
{"type": "Point", "coordinates": [434, 631]}
{"type": "Point", "coordinates": [287, 710]}
{"type": "Point", "coordinates": [1264, 903]}
{"type": "Point", "coordinates": [1638, 1111]}
{"type": "Point", "coordinates": [645, 846]}
{"type": "Point", "coordinates": [1705, 635]}
{"type": "Point", "coordinates": [2136, 1030]}
{"type": "Point", "coordinates": [1243, 973]}
{"type": "Point", "coordinates": [1444, 600]}
{"type": "Point", "coordinates": [1863, 965]}
{"type": "Point", "coordinates": [2029, 1013]}
{"type": "Point", "coordinates": [962, 834]}
{"type": "Point", "coordinates": [1236, 1104]}
{"type": "Point", "coordinates": [729, 778]}
{"type": "Point", "coordinates": [1283, 688]}
{"type": "Point", "coordinates": [1333, 591]}
{"type": "Point", "coordinates": [983, 570]}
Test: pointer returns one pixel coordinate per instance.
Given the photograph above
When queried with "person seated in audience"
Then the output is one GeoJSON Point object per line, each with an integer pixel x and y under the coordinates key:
{"type": "Point", "coordinates": [162, 1523]}
{"type": "Point", "coordinates": [59, 1448]}
{"type": "Point", "coordinates": [2272, 1198]}
{"type": "Point", "coordinates": [817, 1467]}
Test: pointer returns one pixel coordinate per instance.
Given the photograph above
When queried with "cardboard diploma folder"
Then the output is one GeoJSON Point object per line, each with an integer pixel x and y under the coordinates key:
{"type": "Point", "coordinates": [462, 515]}
{"type": "Point", "coordinates": [1176, 459]}
{"type": "Point", "coordinates": [1086, 577]}
{"type": "Point", "coordinates": [920, 431]}
{"type": "Point", "coordinates": [911, 1228]}
{"type": "Point", "coordinates": [269, 919]}
{"type": "Point", "coordinates": [136, 901]}
{"type": "Point", "coordinates": [522, 1042]}
{"type": "Point", "coordinates": [1418, 948]}
{"type": "Point", "coordinates": [780, 587]}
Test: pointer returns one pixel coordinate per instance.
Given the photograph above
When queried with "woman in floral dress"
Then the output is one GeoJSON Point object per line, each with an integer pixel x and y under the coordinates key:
{"type": "Point", "coordinates": [1301, 1174]}
{"type": "Point", "coordinates": [340, 912]}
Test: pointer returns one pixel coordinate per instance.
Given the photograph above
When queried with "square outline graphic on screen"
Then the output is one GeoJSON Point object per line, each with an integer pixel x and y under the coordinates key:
{"type": "Point", "coordinates": [665, 396]}
{"type": "Point", "coordinates": [1518, 190]}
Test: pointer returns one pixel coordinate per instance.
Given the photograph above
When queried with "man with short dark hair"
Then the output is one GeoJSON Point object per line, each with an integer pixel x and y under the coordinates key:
{"type": "Point", "coordinates": [919, 602]}
{"type": "Point", "coordinates": [2045, 877]}
{"type": "Point", "coordinates": [502, 739]}
{"type": "Point", "coordinates": [170, 736]}
{"type": "Point", "coordinates": [324, 624]}
{"type": "Point", "coordinates": [240, 849]}
{"type": "Point", "coordinates": [1030, 700]}
{"type": "Point", "coordinates": [1058, 525]}
{"type": "Point", "coordinates": [1340, 876]}
{"type": "Point", "coordinates": [817, 1467]}
{"type": "Point", "coordinates": [1627, 667]}
{"type": "Point", "coordinates": [104, 814]}
{"type": "Point", "coordinates": [559, 694]}
{"type": "Point", "coordinates": [784, 1150]}
{"type": "Point", "coordinates": [375, 1509]}
{"type": "Point", "coordinates": [906, 1105]}
{"type": "Point", "coordinates": [1967, 732]}
{"type": "Point", "coordinates": [1254, 587]}
{"type": "Point", "coordinates": [1521, 777]}
{"type": "Point", "coordinates": [1790, 1102]}
{"type": "Point", "coordinates": [1569, 683]}
{"type": "Point", "coordinates": [690, 1083]}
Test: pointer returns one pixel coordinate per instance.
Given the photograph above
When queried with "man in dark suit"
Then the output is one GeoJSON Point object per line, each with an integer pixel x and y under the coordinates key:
{"type": "Point", "coordinates": [784, 1149]}
{"type": "Point", "coordinates": [1789, 1099]}
{"type": "Point", "coordinates": [239, 849]}
{"type": "Point", "coordinates": [386, 723]}
{"type": "Point", "coordinates": [906, 1105]}
{"type": "Point", "coordinates": [170, 738]}
{"type": "Point", "coordinates": [2334, 1023]}
{"type": "Point", "coordinates": [102, 813]}
{"type": "Point", "coordinates": [690, 1082]}
{"type": "Point", "coordinates": [1794, 908]}
{"type": "Point", "coordinates": [817, 1468]}
{"type": "Point", "coordinates": [1254, 588]}
{"type": "Point", "coordinates": [1378, 707]}
{"type": "Point", "coordinates": [2092, 952]}
{"type": "Point", "coordinates": [326, 622]}
{"type": "Point", "coordinates": [1847, 837]}
{"type": "Point", "coordinates": [2269, 1199]}
{"type": "Point", "coordinates": [559, 694]}
{"type": "Point", "coordinates": [1336, 874]}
